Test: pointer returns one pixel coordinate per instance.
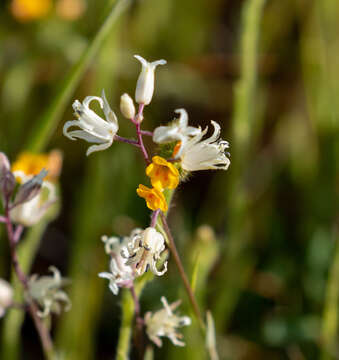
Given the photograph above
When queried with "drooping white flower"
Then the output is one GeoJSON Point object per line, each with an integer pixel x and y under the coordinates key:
{"type": "Point", "coordinates": [165, 323]}
{"type": "Point", "coordinates": [31, 212]}
{"type": "Point", "coordinates": [205, 154]}
{"type": "Point", "coordinates": [144, 250]}
{"type": "Point", "coordinates": [94, 129]}
{"type": "Point", "coordinates": [177, 130]}
{"type": "Point", "coordinates": [145, 84]}
{"type": "Point", "coordinates": [46, 290]}
{"type": "Point", "coordinates": [6, 296]}
{"type": "Point", "coordinates": [120, 275]}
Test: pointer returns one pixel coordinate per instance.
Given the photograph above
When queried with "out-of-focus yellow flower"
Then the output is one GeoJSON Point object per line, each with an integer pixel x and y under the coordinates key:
{"type": "Point", "coordinates": [155, 199]}
{"type": "Point", "coordinates": [27, 10]}
{"type": "Point", "coordinates": [70, 9]}
{"type": "Point", "coordinates": [31, 164]}
{"type": "Point", "coordinates": [162, 173]}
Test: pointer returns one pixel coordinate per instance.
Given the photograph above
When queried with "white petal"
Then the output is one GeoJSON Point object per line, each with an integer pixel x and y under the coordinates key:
{"type": "Point", "coordinates": [100, 147]}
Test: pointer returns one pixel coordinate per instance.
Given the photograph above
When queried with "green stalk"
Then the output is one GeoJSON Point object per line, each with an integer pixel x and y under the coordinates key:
{"type": "Point", "coordinates": [48, 122]}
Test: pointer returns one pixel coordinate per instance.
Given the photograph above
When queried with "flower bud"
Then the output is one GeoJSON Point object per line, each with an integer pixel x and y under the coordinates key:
{"type": "Point", "coordinates": [127, 106]}
{"type": "Point", "coordinates": [29, 189]}
{"type": "Point", "coordinates": [6, 296]}
{"type": "Point", "coordinates": [7, 180]}
{"type": "Point", "coordinates": [145, 84]}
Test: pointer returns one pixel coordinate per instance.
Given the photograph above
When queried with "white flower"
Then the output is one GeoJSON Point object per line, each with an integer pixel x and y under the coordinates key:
{"type": "Point", "coordinates": [94, 129]}
{"type": "Point", "coordinates": [165, 323]}
{"type": "Point", "coordinates": [46, 290]}
{"type": "Point", "coordinates": [127, 107]}
{"type": "Point", "coordinates": [120, 275]}
{"type": "Point", "coordinates": [144, 250]}
{"type": "Point", "coordinates": [30, 212]}
{"type": "Point", "coordinates": [145, 84]}
{"type": "Point", "coordinates": [178, 130]}
{"type": "Point", "coordinates": [205, 154]}
{"type": "Point", "coordinates": [6, 296]}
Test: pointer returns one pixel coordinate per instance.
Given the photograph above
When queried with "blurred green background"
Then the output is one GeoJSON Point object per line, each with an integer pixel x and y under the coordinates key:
{"type": "Point", "coordinates": [268, 73]}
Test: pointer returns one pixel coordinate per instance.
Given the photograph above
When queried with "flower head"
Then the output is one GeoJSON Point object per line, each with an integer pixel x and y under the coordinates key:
{"type": "Point", "coordinates": [144, 250]}
{"type": "Point", "coordinates": [178, 130]}
{"type": "Point", "coordinates": [6, 296]}
{"type": "Point", "coordinates": [163, 174]}
{"type": "Point", "coordinates": [46, 290]}
{"type": "Point", "coordinates": [27, 10]}
{"type": "Point", "coordinates": [155, 199]}
{"type": "Point", "coordinates": [94, 129]}
{"type": "Point", "coordinates": [145, 84]}
{"type": "Point", "coordinates": [31, 164]}
{"type": "Point", "coordinates": [120, 275]}
{"type": "Point", "coordinates": [33, 199]}
{"type": "Point", "coordinates": [165, 323]}
{"type": "Point", "coordinates": [206, 154]}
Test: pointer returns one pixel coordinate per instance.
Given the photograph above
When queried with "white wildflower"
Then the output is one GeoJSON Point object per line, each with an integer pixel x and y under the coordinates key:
{"type": "Point", "coordinates": [31, 212]}
{"type": "Point", "coordinates": [145, 84]}
{"type": "Point", "coordinates": [144, 250]}
{"type": "Point", "coordinates": [205, 154]}
{"type": "Point", "coordinates": [165, 323]}
{"type": "Point", "coordinates": [94, 129]}
{"type": "Point", "coordinates": [177, 130]}
{"type": "Point", "coordinates": [6, 296]}
{"type": "Point", "coordinates": [46, 290]}
{"type": "Point", "coordinates": [120, 275]}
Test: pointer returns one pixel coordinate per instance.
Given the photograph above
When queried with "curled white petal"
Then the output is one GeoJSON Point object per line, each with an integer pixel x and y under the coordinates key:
{"type": "Point", "coordinates": [93, 128]}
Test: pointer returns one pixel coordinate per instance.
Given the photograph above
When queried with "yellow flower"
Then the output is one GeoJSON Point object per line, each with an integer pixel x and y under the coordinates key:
{"type": "Point", "coordinates": [31, 164]}
{"type": "Point", "coordinates": [155, 199]}
{"type": "Point", "coordinates": [27, 10]}
{"type": "Point", "coordinates": [163, 174]}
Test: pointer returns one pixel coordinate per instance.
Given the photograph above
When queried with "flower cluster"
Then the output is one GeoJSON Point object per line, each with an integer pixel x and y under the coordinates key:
{"type": "Point", "coordinates": [182, 149]}
{"type": "Point", "coordinates": [46, 291]}
{"type": "Point", "coordinates": [165, 323]}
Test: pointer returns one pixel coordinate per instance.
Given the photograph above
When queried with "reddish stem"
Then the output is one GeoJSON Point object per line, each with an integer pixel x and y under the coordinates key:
{"type": "Point", "coordinates": [154, 217]}
{"type": "Point", "coordinates": [13, 238]}
{"type": "Point", "coordinates": [127, 141]}
{"type": "Point", "coordinates": [139, 132]}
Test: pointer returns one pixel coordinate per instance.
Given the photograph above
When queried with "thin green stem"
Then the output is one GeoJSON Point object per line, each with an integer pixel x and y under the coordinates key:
{"type": "Point", "coordinates": [182, 272]}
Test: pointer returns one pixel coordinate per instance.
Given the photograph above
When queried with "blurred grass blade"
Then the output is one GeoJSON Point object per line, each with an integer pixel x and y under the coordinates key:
{"type": "Point", "coordinates": [329, 333]}
{"type": "Point", "coordinates": [211, 342]}
{"type": "Point", "coordinates": [239, 261]}
{"type": "Point", "coordinates": [46, 125]}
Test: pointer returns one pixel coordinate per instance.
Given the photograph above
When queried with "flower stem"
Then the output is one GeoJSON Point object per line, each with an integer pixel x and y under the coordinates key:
{"type": "Point", "coordinates": [13, 238]}
{"type": "Point", "coordinates": [154, 217]}
{"type": "Point", "coordinates": [146, 133]}
{"type": "Point", "coordinates": [182, 273]}
{"type": "Point", "coordinates": [139, 132]}
{"type": "Point", "coordinates": [127, 141]}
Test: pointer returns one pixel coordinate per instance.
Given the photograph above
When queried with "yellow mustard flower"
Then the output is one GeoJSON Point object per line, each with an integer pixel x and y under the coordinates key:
{"type": "Point", "coordinates": [155, 199]}
{"type": "Point", "coordinates": [31, 164]}
{"type": "Point", "coordinates": [27, 10]}
{"type": "Point", "coordinates": [162, 173]}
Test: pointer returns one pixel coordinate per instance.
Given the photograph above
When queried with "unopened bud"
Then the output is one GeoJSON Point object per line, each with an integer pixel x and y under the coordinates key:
{"type": "Point", "coordinates": [4, 164]}
{"type": "Point", "coordinates": [29, 189]}
{"type": "Point", "coordinates": [6, 296]}
{"type": "Point", "coordinates": [127, 106]}
{"type": "Point", "coordinates": [145, 84]}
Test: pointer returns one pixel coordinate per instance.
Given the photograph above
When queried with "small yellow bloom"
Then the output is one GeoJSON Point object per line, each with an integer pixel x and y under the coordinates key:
{"type": "Point", "coordinates": [155, 199]}
{"type": "Point", "coordinates": [31, 164]}
{"type": "Point", "coordinates": [27, 10]}
{"type": "Point", "coordinates": [163, 174]}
